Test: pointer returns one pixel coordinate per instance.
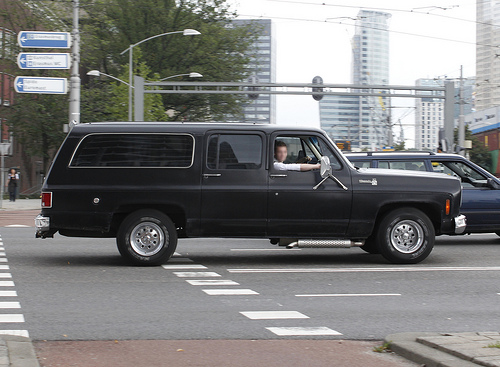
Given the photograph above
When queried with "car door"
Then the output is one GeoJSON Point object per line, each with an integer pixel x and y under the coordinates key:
{"type": "Point", "coordinates": [297, 210]}
{"type": "Point", "coordinates": [480, 201]}
{"type": "Point", "coordinates": [234, 184]}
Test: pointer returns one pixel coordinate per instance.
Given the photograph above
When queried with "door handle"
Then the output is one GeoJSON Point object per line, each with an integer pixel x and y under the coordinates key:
{"type": "Point", "coordinates": [207, 175]}
{"type": "Point", "coordinates": [278, 176]}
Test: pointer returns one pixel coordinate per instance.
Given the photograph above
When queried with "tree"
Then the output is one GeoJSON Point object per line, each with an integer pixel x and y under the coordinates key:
{"type": "Point", "coordinates": [220, 53]}
{"type": "Point", "coordinates": [400, 146]}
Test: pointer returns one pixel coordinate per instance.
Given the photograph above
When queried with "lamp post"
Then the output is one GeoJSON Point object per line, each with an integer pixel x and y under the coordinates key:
{"type": "Point", "coordinates": [99, 73]}
{"type": "Point", "coordinates": [191, 75]}
{"type": "Point", "coordinates": [130, 49]}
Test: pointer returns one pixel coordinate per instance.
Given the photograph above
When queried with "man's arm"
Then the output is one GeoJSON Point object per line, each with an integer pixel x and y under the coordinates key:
{"type": "Point", "coordinates": [309, 167]}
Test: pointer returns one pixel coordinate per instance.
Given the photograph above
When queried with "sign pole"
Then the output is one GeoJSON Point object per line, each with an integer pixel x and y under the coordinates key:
{"type": "Point", "coordinates": [74, 97]}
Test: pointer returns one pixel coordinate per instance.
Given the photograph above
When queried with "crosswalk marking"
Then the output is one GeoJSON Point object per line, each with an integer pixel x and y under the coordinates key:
{"type": "Point", "coordinates": [211, 282]}
{"type": "Point", "coordinates": [196, 274]}
{"type": "Point", "coordinates": [12, 317]}
{"type": "Point", "coordinates": [273, 315]}
{"type": "Point", "coordinates": [302, 331]}
{"type": "Point", "coordinates": [10, 305]}
{"type": "Point", "coordinates": [8, 294]}
{"type": "Point", "coordinates": [185, 266]}
{"type": "Point", "coordinates": [5, 275]}
{"type": "Point", "coordinates": [229, 292]}
{"type": "Point", "coordinates": [6, 283]}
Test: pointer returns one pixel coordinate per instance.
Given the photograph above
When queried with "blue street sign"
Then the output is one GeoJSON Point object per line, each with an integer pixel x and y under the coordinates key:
{"type": "Point", "coordinates": [35, 39]}
{"type": "Point", "coordinates": [41, 85]}
{"type": "Point", "coordinates": [27, 60]}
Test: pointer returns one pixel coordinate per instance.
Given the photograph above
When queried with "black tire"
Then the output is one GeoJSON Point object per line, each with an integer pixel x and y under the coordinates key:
{"type": "Point", "coordinates": [156, 238]}
{"type": "Point", "coordinates": [405, 236]}
{"type": "Point", "coordinates": [370, 246]}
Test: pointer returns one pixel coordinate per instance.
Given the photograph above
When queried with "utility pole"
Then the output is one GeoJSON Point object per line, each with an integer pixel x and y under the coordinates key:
{"type": "Point", "coordinates": [390, 139]}
{"type": "Point", "coordinates": [74, 94]}
{"type": "Point", "coordinates": [461, 118]}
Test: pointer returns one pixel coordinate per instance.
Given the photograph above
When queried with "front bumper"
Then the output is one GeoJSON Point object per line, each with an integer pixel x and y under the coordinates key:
{"type": "Point", "coordinates": [460, 224]}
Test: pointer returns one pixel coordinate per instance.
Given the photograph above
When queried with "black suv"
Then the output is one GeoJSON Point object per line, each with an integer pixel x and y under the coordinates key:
{"type": "Point", "coordinates": [481, 190]}
{"type": "Point", "coordinates": [149, 183]}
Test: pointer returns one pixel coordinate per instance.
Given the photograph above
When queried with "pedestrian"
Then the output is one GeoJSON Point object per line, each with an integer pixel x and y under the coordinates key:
{"type": "Point", "coordinates": [12, 184]}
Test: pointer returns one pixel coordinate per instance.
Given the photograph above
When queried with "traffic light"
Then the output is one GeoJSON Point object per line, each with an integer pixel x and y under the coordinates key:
{"type": "Point", "coordinates": [253, 80]}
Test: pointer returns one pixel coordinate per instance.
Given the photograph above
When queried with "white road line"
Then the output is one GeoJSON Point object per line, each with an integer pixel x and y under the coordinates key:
{"type": "Point", "coordinates": [302, 331]}
{"type": "Point", "coordinates": [211, 282]}
{"type": "Point", "coordinates": [10, 305]}
{"type": "Point", "coordinates": [176, 254]}
{"type": "Point", "coordinates": [365, 270]}
{"type": "Point", "coordinates": [273, 315]}
{"type": "Point", "coordinates": [5, 275]}
{"type": "Point", "coordinates": [12, 317]}
{"type": "Point", "coordinates": [1, 247]}
{"type": "Point", "coordinates": [17, 226]}
{"type": "Point", "coordinates": [4, 267]}
{"type": "Point", "coordinates": [196, 274]}
{"type": "Point", "coordinates": [15, 333]}
{"type": "Point", "coordinates": [6, 283]}
{"type": "Point", "coordinates": [265, 249]}
{"type": "Point", "coordinates": [229, 292]}
{"type": "Point", "coordinates": [8, 294]}
{"type": "Point", "coordinates": [2, 254]}
{"type": "Point", "coordinates": [350, 295]}
{"type": "Point", "coordinates": [3, 260]}
{"type": "Point", "coordinates": [186, 266]}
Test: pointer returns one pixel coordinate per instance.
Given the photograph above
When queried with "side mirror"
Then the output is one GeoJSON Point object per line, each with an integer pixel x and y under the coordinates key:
{"type": "Point", "coordinates": [326, 169]}
{"type": "Point", "coordinates": [493, 184]}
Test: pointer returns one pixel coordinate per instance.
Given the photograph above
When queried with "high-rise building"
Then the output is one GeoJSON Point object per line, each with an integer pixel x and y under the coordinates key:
{"type": "Point", "coordinates": [262, 66]}
{"type": "Point", "coordinates": [487, 58]}
{"type": "Point", "coordinates": [429, 113]}
{"type": "Point", "coordinates": [363, 120]}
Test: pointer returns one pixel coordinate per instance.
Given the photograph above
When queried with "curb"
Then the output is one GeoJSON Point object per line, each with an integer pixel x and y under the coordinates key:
{"type": "Point", "coordinates": [17, 351]}
{"type": "Point", "coordinates": [406, 345]}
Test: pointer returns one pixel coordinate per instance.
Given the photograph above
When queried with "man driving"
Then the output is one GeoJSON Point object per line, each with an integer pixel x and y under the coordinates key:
{"type": "Point", "coordinates": [280, 154]}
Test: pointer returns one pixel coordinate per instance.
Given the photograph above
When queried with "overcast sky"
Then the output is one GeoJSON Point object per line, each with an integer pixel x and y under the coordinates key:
{"type": "Point", "coordinates": [310, 43]}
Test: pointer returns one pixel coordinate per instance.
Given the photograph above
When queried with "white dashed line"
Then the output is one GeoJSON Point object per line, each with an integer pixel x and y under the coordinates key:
{"type": "Point", "coordinates": [186, 266]}
{"type": "Point", "coordinates": [229, 292]}
{"type": "Point", "coordinates": [15, 333]}
{"type": "Point", "coordinates": [5, 275]}
{"type": "Point", "coordinates": [273, 315]}
{"type": "Point", "coordinates": [350, 295]}
{"type": "Point", "coordinates": [3, 260]}
{"type": "Point", "coordinates": [8, 294]}
{"type": "Point", "coordinates": [17, 226]}
{"type": "Point", "coordinates": [211, 282]}
{"type": "Point", "coordinates": [365, 270]}
{"type": "Point", "coordinates": [196, 274]}
{"type": "Point", "coordinates": [6, 283]}
{"type": "Point", "coordinates": [10, 305]}
{"type": "Point", "coordinates": [11, 317]}
{"type": "Point", "coordinates": [302, 331]}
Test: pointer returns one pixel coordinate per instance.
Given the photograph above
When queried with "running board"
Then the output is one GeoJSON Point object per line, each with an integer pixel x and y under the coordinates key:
{"type": "Point", "coordinates": [292, 243]}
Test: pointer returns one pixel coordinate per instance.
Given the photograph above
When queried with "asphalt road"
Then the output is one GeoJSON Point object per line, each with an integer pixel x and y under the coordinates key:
{"type": "Point", "coordinates": [80, 289]}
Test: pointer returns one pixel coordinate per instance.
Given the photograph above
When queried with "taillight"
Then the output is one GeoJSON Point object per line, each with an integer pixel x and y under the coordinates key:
{"type": "Point", "coordinates": [448, 206]}
{"type": "Point", "coordinates": [46, 200]}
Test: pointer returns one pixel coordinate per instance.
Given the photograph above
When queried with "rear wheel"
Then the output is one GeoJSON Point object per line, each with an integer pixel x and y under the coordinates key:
{"type": "Point", "coordinates": [405, 236]}
{"type": "Point", "coordinates": [147, 237]}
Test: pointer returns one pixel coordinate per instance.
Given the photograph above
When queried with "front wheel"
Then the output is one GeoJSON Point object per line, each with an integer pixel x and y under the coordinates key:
{"type": "Point", "coordinates": [147, 237]}
{"type": "Point", "coordinates": [405, 236]}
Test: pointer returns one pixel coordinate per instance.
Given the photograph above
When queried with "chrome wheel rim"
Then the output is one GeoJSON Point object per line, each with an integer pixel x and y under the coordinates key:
{"type": "Point", "coordinates": [147, 239]}
{"type": "Point", "coordinates": [407, 236]}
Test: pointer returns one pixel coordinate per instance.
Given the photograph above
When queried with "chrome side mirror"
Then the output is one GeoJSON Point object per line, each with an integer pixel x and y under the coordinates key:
{"type": "Point", "coordinates": [326, 169]}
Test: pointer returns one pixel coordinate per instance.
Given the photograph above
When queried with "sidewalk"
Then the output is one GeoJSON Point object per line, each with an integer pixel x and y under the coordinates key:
{"type": "Point", "coordinates": [21, 204]}
{"type": "Point", "coordinates": [448, 349]}
{"type": "Point", "coordinates": [17, 351]}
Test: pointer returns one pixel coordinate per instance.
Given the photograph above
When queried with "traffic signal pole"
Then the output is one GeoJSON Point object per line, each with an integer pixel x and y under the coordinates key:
{"type": "Point", "coordinates": [74, 94]}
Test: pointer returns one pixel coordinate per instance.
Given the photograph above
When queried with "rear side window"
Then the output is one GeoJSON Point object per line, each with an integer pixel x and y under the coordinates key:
{"type": "Point", "coordinates": [135, 150]}
{"type": "Point", "coordinates": [403, 165]}
{"type": "Point", "coordinates": [234, 151]}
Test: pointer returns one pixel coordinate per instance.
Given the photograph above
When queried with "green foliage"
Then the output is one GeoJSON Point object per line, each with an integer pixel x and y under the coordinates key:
{"type": "Point", "coordinates": [218, 53]}
{"type": "Point", "coordinates": [384, 348]}
{"type": "Point", "coordinates": [493, 345]}
{"type": "Point", "coordinates": [400, 146]}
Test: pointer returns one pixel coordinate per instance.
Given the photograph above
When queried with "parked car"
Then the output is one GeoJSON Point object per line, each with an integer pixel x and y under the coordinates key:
{"type": "Point", "coordinates": [481, 190]}
{"type": "Point", "coordinates": [147, 184]}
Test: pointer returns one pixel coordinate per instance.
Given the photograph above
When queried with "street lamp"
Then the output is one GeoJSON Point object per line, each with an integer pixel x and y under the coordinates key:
{"type": "Point", "coordinates": [130, 49]}
{"type": "Point", "coordinates": [191, 75]}
{"type": "Point", "coordinates": [99, 73]}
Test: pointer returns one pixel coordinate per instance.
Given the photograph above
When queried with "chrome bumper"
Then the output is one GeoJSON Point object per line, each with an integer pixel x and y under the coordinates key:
{"type": "Point", "coordinates": [460, 224]}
